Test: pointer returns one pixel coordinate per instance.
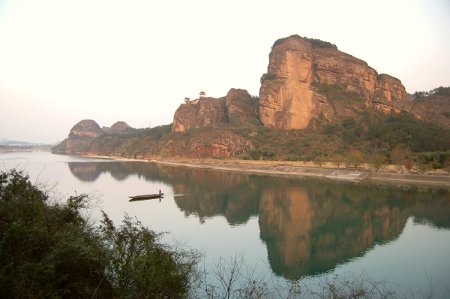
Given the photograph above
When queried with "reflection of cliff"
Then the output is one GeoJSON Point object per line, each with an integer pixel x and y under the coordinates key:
{"type": "Point", "coordinates": [85, 171]}
{"type": "Point", "coordinates": [285, 221]}
{"type": "Point", "coordinates": [309, 226]}
{"type": "Point", "coordinates": [90, 171]}
{"type": "Point", "coordinates": [211, 194]}
{"type": "Point", "coordinates": [200, 192]}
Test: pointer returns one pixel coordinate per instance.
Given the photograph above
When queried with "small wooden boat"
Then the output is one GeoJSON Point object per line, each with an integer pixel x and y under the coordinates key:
{"type": "Point", "coordinates": [146, 196]}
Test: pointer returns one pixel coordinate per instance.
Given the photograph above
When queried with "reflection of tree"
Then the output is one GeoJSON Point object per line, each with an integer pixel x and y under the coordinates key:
{"type": "Point", "coordinates": [308, 226]}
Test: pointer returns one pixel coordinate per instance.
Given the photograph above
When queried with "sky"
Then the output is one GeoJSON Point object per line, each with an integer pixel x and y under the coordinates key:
{"type": "Point", "coordinates": [62, 61]}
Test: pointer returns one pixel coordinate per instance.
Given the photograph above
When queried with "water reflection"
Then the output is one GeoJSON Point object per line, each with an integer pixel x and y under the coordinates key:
{"type": "Point", "coordinates": [308, 226]}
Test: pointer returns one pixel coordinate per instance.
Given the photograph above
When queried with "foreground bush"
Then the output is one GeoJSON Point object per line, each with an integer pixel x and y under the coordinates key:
{"type": "Point", "coordinates": [51, 250]}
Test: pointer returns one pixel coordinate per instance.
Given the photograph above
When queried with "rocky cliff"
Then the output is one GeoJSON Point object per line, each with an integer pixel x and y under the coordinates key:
{"type": "Point", "coordinates": [301, 72]}
{"type": "Point", "coordinates": [80, 136]}
{"type": "Point", "coordinates": [390, 94]}
{"type": "Point", "coordinates": [199, 113]}
{"type": "Point", "coordinates": [86, 128]}
{"type": "Point", "coordinates": [236, 105]}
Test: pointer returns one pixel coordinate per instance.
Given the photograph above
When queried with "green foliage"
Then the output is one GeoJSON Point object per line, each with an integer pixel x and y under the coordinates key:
{"type": "Point", "coordinates": [402, 129]}
{"type": "Point", "coordinates": [318, 43]}
{"type": "Point", "coordinates": [441, 91]}
{"type": "Point", "coordinates": [348, 122]}
{"type": "Point", "coordinates": [255, 101]}
{"type": "Point", "coordinates": [155, 132]}
{"type": "Point", "coordinates": [435, 160]}
{"type": "Point", "coordinates": [46, 250]}
{"type": "Point", "coordinates": [52, 251]}
{"type": "Point", "coordinates": [377, 160]}
{"type": "Point", "coordinates": [234, 119]}
{"type": "Point", "coordinates": [267, 76]}
{"type": "Point", "coordinates": [340, 99]}
{"type": "Point", "coordinates": [138, 266]}
{"type": "Point", "coordinates": [280, 40]}
{"type": "Point", "coordinates": [260, 155]}
{"type": "Point", "coordinates": [355, 158]}
{"type": "Point", "coordinates": [420, 94]}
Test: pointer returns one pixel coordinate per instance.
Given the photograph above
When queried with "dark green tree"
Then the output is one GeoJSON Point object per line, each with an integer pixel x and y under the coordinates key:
{"type": "Point", "coordinates": [50, 250]}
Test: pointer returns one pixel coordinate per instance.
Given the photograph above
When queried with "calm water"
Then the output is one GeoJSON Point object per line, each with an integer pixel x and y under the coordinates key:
{"type": "Point", "coordinates": [288, 229]}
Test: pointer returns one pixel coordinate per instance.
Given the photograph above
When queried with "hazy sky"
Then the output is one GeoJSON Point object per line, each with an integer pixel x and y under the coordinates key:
{"type": "Point", "coordinates": [62, 61]}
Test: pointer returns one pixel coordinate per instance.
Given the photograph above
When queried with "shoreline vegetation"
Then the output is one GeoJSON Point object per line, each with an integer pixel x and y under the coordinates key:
{"type": "Point", "coordinates": [392, 174]}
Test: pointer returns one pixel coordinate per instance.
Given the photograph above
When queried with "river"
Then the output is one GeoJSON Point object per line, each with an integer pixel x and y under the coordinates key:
{"type": "Point", "coordinates": [287, 229]}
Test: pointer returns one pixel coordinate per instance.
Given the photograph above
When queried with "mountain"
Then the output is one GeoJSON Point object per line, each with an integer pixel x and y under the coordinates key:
{"type": "Point", "coordinates": [8, 142]}
{"type": "Point", "coordinates": [315, 102]}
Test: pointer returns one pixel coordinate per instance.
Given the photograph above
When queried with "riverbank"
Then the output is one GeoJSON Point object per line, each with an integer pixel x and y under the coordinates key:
{"type": "Point", "coordinates": [305, 169]}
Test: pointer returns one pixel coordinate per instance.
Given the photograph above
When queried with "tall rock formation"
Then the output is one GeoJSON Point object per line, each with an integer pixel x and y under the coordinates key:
{"type": "Point", "coordinates": [237, 105]}
{"type": "Point", "coordinates": [80, 137]}
{"type": "Point", "coordinates": [199, 113]}
{"type": "Point", "coordinates": [301, 73]}
{"type": "Point", "coordinates": [240, 105]}
{"type": "Point", "coordinates": [285, 98]}
{"type": "Point", "coordinates": [390, 94]}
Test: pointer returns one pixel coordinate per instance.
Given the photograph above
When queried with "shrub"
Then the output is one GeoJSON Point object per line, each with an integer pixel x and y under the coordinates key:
{"type": "Point", "coordinates": [51, 250]}
{"type": "Point", "coordinates": [267, 76]}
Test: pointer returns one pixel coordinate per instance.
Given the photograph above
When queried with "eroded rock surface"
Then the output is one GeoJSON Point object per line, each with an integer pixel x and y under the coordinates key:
{"type": "Point", "coordinates": [237, 105]}
{"type": "Point", "coordinates": [300, 75]}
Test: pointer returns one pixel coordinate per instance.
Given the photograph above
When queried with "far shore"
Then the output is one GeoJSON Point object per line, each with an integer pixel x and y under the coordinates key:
{"type": "Point", "coordinates": [306, 169]}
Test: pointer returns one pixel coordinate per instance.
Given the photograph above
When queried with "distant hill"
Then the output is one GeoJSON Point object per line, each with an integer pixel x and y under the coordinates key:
{"type": "Point", "coordinates": [8, 142]}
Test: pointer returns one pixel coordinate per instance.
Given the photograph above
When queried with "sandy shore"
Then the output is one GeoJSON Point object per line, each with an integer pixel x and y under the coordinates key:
{"type": "Point", "coordinates": [301, 169]}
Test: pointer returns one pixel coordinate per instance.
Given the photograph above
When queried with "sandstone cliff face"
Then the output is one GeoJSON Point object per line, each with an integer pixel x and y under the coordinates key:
{"type": "Point", "coordinates": [240, 105]}
{"type": "Point", "coordinates": [285, 97]}
{"type": "Point", "coordinates": [237, 104]}
{"type": "Point", "coordinates": [333, 67]}
{"type": "Point", "coordinates": [390, 95]}
{"type": "Point", "coordinates": [291, 93]}
{"type": "Point", "coordinates": [199, 113]}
